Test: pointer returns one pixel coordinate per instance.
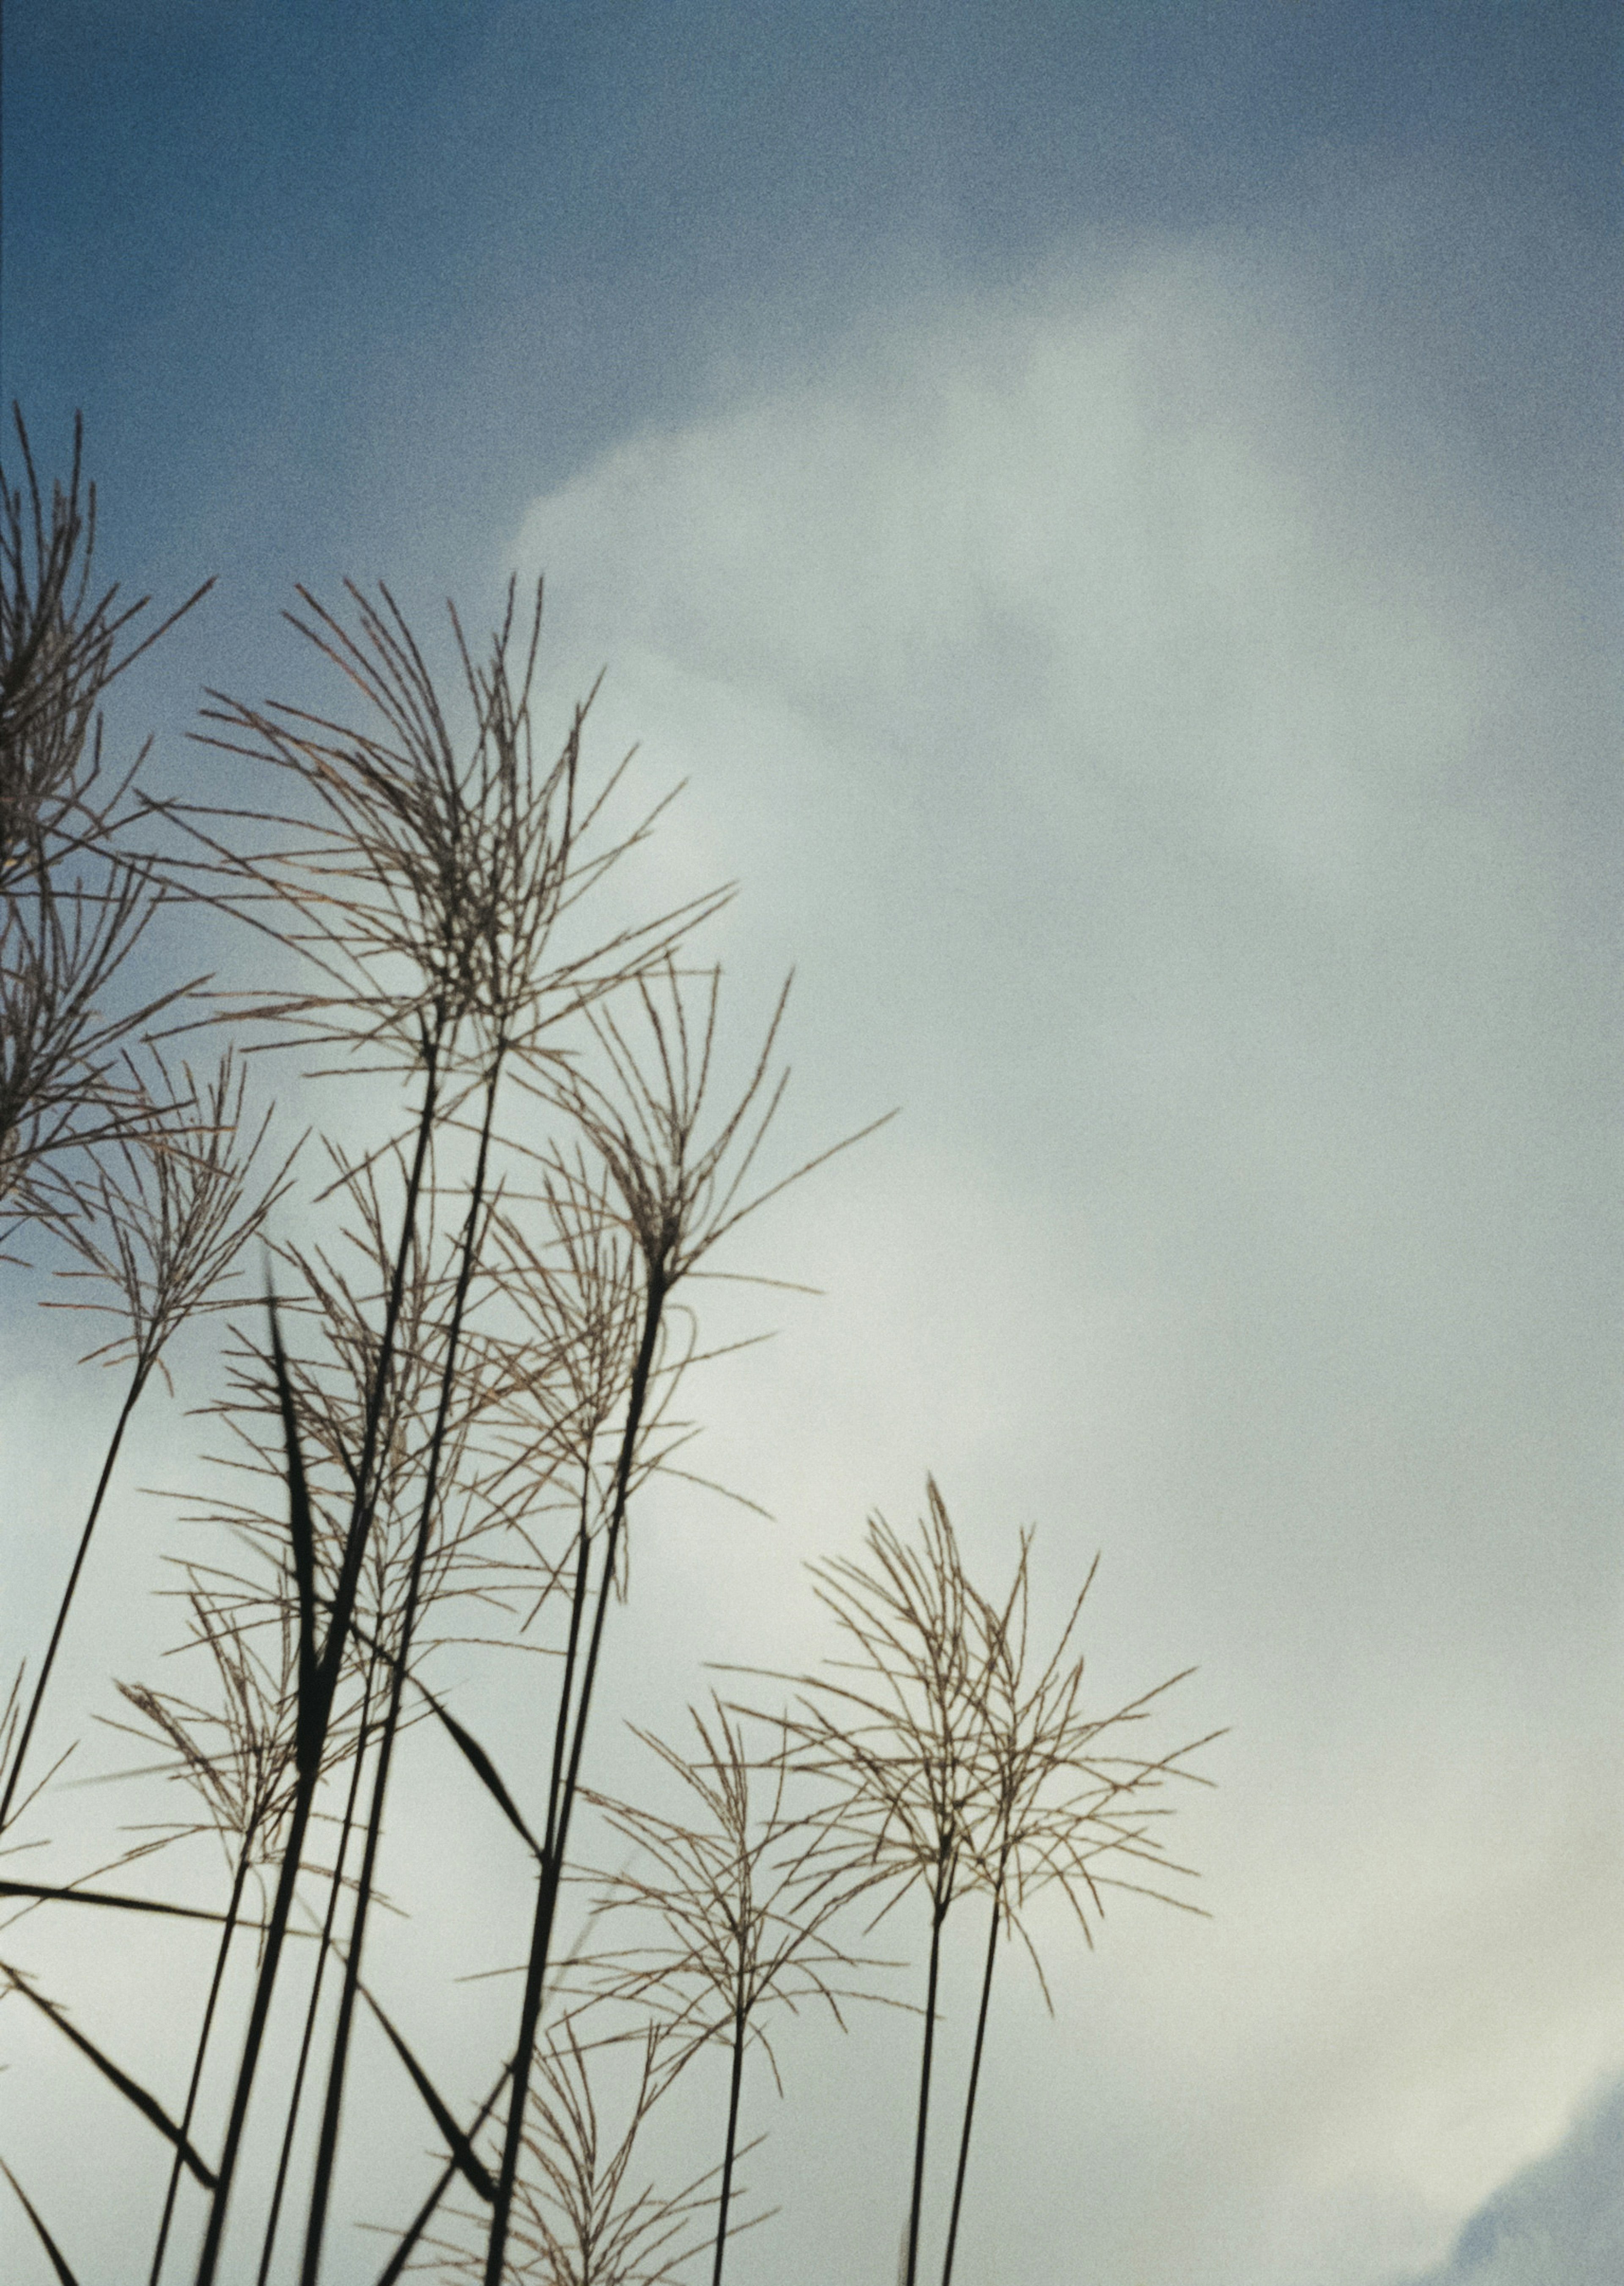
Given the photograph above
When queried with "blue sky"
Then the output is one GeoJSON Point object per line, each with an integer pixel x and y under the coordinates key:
{"type": "Point", "coordinates": [1112, 510]}
{"type": "Point", "coordinates": [321, 257]}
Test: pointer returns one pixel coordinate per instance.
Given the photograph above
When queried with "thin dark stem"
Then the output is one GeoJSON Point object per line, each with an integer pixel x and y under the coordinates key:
{"type": "Point", "coordinates": [228, 1930]}
{"type": "Point", "coordinates": [276, 1932]}
{"type": "Point", "coordinates": [132, 1395]}
{"type": "Point", "coordinates": [727, 2157]}
{"type": "Point", "coordinates": [975, 2073]}
{"type": "Point", "coordinates": [939, 1906]}
{"type": "Point", "coordinates": [547, 1894]}
{"type": "Point", "coordinates": [561, 1728]}
{"type": "Point", "coordinates": [324, 1953]}
{"type": "Point", "coordinates": [327, 2146]}
{"type": "Point", "coordinates": [310, 1774]}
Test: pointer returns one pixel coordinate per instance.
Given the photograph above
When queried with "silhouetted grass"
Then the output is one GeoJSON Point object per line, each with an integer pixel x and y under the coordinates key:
{"type": "Point", "coordinates": [458, 1382]}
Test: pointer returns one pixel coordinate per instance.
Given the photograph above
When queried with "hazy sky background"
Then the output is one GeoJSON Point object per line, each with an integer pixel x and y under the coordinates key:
{"type": "Point", "coordinates": [1112, 510]}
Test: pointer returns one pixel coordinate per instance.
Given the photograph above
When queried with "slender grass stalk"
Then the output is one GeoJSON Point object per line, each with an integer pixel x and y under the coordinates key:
{"type": "Point", "coordinates": [227, 1932]}
{"type": "Point", "coordinates": [941, 1901]}
{"type": "Point", "coordinates": [975, 2075]}
{"type": "Point", "coordinates": [558, 1826]}
{"type": "Point", "coordinates": [242, 1759]}
{"type": "Point", "coordinates": [581, 2219]}
{"type": "Point", "coordinates": [735, 2080]}
{"type": "Point", "coordinates": [561, 1735]}
{"type": "Point", "coordinates": [313, 2005]}
{"type": "Point", "coordinates": [13, 1781]}
{"type": "Point", "coordinates": [566, 1689]}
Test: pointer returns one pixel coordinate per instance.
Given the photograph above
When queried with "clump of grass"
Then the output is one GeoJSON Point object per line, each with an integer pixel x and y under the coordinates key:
{"type": "Point", "coordinates": [579, 2216]}
{"type": "Point", "coordinates": [746, 1901]}
{"type": "Point", "coordinates": [953, 1770]}
{"type": "Point", "coordinates": [75, 902]}
{"type": "Point", "coordinates": [443, 1407]}
{"type": "Point", "coordinates": [237, 1756]}
{"type": "Point", "coordinates": [160, 1223]}
{"type": "Point", "coordinates": [97, 1146]}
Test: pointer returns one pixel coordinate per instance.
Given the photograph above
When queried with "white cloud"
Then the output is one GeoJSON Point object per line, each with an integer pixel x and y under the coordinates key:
{"type": "Point", "coordinates": [1174, 793]}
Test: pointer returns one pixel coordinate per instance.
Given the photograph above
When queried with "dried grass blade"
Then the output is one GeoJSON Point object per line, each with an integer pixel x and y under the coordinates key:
{"type": "Point", "coordinates": [147, 2105]}
{"type": "Point", "coordinates": [301, 1531]}
{"type": "Point", "coordinates": [44, 1892]}
{"type": "Point", "coordinates": [463, 2151]}
{"type": "Point", "coordinates": [483, 1767]}
{"type": "Point", "coordinates": [478, 1761]}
